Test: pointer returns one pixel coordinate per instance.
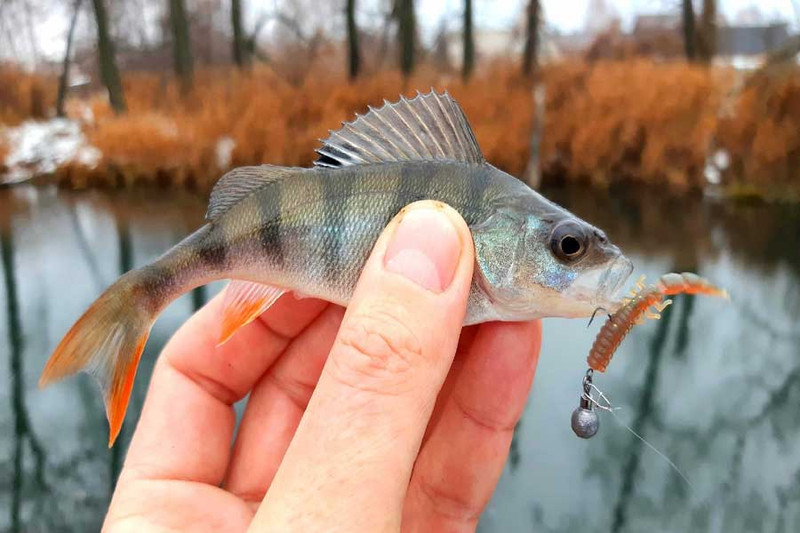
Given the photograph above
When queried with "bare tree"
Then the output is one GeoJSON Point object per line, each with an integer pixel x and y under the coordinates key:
{"type": "Point", "coordinates": [181, 45]}
{"type": "Point", "coordinates": [406, 33]}
{"type": "Point", "coordinates": [353, 52]}
{"type": "Point", "coordinates": [251, 42]}
{"type": "Point", "coordinates": [531, 52]}
{"type": "Point", "coordinates": [533, 170]}
{"type": "Point", "coordinates": [31, 34]}
{"type": "Point", "coordinates": [707, 37]}
{"type": "Point", "coordinates": [687, 12]}
{"type": "Point", "coordinates": [469, 43]}
{"type": "Point", "coordinates": [241, 48]}
{"type": "Point", "coordinates": [108, 65]}
{"type": "Point", "coordinates": [440, 50]}
{"type": "Point", "coordinates": [63, 80]}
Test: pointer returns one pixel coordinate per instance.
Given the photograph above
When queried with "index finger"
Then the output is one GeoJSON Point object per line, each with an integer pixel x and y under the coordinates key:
{"type": "Point", "coordinates": [366, 418]}
{"type": "Point", "coordinates": [186, 426]}
{"type": "Point", "coordinates": [461, 462]}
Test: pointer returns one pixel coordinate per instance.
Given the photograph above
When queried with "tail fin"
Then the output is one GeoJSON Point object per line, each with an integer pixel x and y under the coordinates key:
{"type": "Point", "coordinates": [106, 342]}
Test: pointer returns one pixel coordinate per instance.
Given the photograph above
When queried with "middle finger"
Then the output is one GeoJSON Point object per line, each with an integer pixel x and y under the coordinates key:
{"type": "Point", "coordinates": [275, 407]}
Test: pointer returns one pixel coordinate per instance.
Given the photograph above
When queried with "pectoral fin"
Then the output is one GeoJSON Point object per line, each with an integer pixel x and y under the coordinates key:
{"type": "Point", "coordinates": [244, 302]}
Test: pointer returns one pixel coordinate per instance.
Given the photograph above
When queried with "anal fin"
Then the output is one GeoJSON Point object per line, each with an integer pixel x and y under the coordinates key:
{"type": "Point", "coordinates": [244, 302]}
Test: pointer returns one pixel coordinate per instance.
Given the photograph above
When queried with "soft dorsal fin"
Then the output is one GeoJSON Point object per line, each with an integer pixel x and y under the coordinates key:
{"type": "Point", "coordinates": [240, 183]}
{"type": "Point", "coordinates": [428, 127]}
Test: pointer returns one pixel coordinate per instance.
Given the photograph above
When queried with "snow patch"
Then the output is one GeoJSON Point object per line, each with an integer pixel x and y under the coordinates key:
{"type": "Point", "coordinates": [716, 165]}
{"type": "Point", "coordinates": [36, 148]}
{"type": "Point", "coordinates": [224, 152]}
{"type": "Point", "coordinates": [722, 159]}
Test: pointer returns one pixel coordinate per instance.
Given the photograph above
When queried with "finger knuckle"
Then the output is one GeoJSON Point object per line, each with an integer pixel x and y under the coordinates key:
{"type": "Point", "coordinates": [376, 347]}
{"type": "Point", "coordinates": [447, 501]}
{"type": "Point", "coordinates": [298, 391]}
{"type": "Point", "coordinates": [491, 420]}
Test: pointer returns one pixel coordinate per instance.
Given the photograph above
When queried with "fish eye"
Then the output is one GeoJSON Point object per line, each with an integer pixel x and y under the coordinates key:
{"type": "Point", "coordinates": [568, 241]}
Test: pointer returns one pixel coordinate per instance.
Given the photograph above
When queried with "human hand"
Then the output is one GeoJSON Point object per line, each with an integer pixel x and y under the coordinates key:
{"type": "Point", "coordinates": [365, 420]}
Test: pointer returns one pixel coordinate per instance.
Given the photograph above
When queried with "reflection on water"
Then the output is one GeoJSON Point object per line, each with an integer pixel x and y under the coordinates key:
{"type": "Point", "coordinates": [58, 252]}
{"type": "Point", "coordinates": [22, 429]}
{"type": "Point", "coordinates": [714, 386]}
{"type": "Point", "coordinates": [643, 410]}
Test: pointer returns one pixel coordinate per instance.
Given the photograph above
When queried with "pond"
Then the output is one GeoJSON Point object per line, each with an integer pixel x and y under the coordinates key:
{"type": "Point", "coordinates": [714, 385]}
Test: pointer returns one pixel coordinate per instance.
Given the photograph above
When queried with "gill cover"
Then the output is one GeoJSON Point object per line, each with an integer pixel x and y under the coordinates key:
{"type": "Point", "coordinates": [536, 259]}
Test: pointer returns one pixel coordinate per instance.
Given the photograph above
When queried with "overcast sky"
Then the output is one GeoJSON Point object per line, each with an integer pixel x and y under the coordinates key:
{"type": "Point", "coordinates": [566, 16]}
{"type": "Point", "coordinates": [570, 15]}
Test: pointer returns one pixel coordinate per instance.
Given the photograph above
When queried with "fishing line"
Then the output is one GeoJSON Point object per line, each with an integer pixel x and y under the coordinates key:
{"type": "Point", "coordinates": [608, 407]}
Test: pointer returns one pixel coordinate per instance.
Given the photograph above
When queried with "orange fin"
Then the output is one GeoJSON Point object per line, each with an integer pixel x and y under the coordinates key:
{"type": "Point", "coordinates": [120, 394]}
{"type": "Point", "coordinates": [107, 343]}
{"type": "Point", "coordinates": [244, 302]}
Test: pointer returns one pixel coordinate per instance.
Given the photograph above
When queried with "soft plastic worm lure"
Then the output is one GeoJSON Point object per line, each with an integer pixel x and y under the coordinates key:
{"type": "Point", "coordinates": [645, 302]}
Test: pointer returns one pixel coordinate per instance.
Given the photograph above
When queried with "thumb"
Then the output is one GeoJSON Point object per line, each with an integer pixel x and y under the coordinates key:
{"type": "Point", "coordinates": [349, 463]}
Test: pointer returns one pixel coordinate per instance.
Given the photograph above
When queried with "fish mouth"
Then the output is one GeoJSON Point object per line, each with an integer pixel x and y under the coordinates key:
{"type": "Point", "coordinates": [610, 283]}
{"type": "Point", "coordinates": [598, 288]}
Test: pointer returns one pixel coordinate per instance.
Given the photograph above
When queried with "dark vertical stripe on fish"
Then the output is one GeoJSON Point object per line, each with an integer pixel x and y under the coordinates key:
{"type": "Point", "coordinates": [478, 184]}
{"type": "Point", "coordinates": [269, 211]}
{"type": "Point", "coordinates": [213, 250]}
{"type": "Point", "coordinates": [335, 192]}
{"type": "Point", "coordinates": [435, 185]}
{"type": "Point", "coordinates": [155, 282]}
{"type": "Point", "coordinates": [411, 187]}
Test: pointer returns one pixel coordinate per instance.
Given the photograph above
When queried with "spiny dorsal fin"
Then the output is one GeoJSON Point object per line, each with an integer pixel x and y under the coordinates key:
{"type": "Point", "coordinates": [428, 127]}
{"type": "Point", "coordinates": [240, 183]}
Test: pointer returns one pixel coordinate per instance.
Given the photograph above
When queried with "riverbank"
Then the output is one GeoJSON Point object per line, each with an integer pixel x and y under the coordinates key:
{"type": "Point", "coordinates": [641, 121]}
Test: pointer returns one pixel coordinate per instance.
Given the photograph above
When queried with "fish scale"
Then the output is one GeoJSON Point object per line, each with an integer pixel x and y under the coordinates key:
{"type": "Point", "coordinates": [327, 221]}
{"type": "Point", "coordinates": [274, 229]}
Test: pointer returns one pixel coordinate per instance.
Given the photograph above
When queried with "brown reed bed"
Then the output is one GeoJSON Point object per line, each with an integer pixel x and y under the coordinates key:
{"type": "Point", "coordinates": [24, 95]}
{"type": "Point", "coordinates": [762, 133]}
{"type": "Point", "coordinates": [605, 122]}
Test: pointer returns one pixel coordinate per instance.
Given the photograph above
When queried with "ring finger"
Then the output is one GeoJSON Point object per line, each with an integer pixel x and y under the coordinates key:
{"type": "Point", "coordinates": [275, 407]}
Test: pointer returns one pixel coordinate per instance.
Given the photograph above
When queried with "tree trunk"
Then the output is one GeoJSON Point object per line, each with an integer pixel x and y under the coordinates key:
{"type": "Point", "coordinates": [469, 44]}
{"type": "Point", "coordinates": [63, 80]}
{"type": "Point", "coordinates": [533, 171]}
{"type": "Point", "coordinates": [181, 45]}
{"type": "Point", "coordinates": [406, 32]}
{"type": "Point", "coordinates": [707, 43]}
{"type": "Point", "coordinates": [688, 30]}
{"type": "Point", "coordinates": [241, 52]}
{"type": "Point", "coordinates": [352, 39]}
{"type": "Point", "coordinates": [108, 65]}
{"type": "Point", "coordinates": [531, 52]}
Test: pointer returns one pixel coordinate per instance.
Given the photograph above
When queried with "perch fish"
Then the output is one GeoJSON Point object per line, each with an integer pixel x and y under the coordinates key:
{"type": "Point", "coordinates": [274, 229]}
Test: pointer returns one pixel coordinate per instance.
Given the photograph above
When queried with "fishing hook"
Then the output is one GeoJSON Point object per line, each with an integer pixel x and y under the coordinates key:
{"type": "Point", "coordinates": [595, 313]}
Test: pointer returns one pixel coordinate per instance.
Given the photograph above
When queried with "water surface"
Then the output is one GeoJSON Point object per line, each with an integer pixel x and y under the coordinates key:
{"type": "Point", "coordinates": [714, 386]}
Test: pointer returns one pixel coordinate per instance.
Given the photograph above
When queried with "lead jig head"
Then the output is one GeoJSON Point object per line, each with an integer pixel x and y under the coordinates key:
{"type": "Point", "coordinates": [585, 421]}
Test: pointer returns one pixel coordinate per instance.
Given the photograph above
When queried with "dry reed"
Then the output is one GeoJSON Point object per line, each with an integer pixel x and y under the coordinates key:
{"type": "Point", "coordinates": [24, 95]}
{"type": "Point", "coordinates": [607, 121]}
